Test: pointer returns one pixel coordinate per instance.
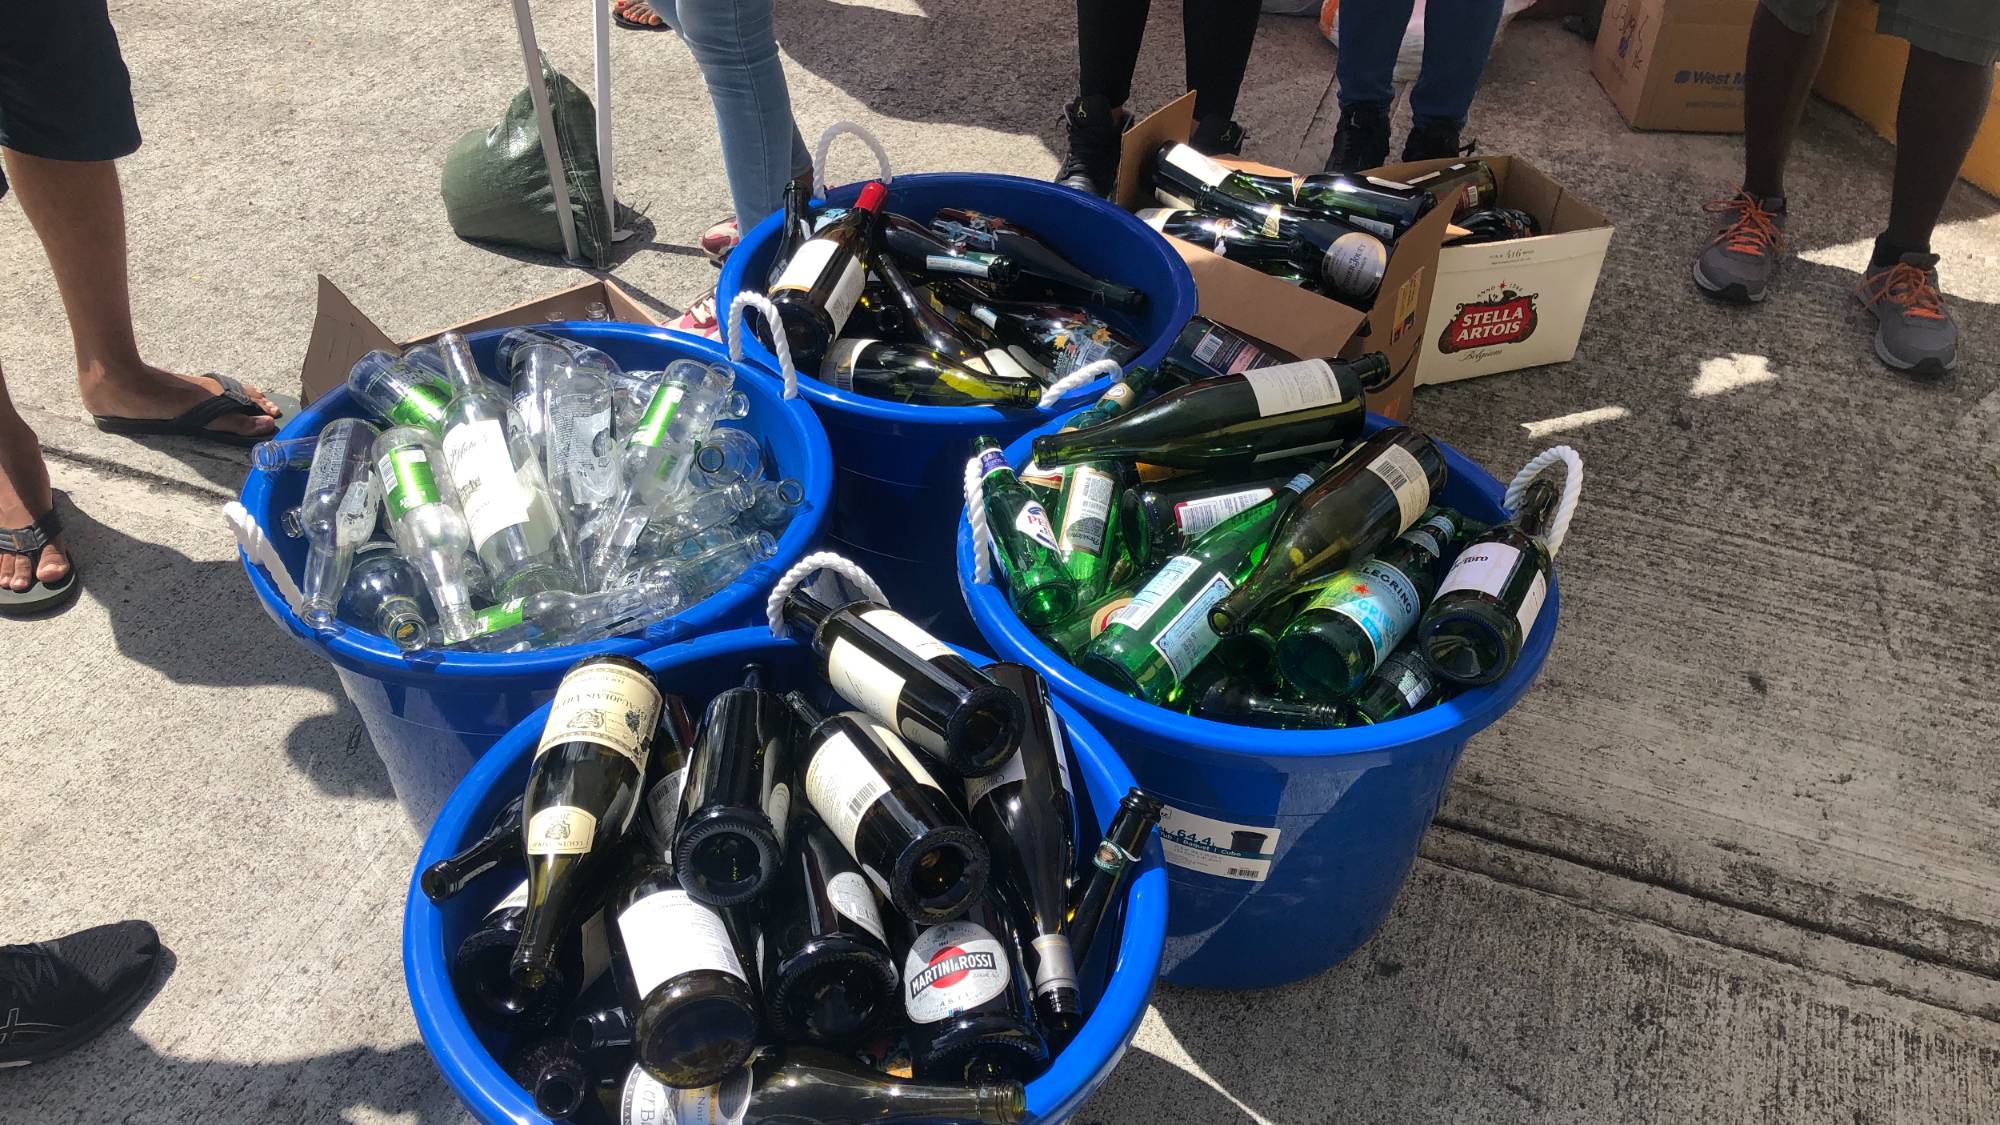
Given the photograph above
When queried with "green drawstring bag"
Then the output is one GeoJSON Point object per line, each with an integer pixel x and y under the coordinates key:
{"type": "Point", "coordinates": [496, 184]}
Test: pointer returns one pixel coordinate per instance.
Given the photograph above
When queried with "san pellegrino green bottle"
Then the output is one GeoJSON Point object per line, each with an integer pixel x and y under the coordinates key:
{"type": "Point", "coordinates": [1152, 644]}
{"type": "Point", "coordinates": [1487, 604]}
{"type": "Point", "coordinates": [1118, 398]}
{"type": "Point", "coordinates": [424, 516]}
{"type": "Point", "coordinates": [1086, 524]}
{"type": "Point", "coordinates": [406, 390]}
{"type": "Point", "coordinates": [1038, 586]}
{"type": "Point", "coordinates": [1400, 686]}
{"type": "Point", "coordinates": [1159, 519]}
{"type": "Point", "coordinates": [1074, 634]}
{"type": "Point", "coordinates": [1374, 494]}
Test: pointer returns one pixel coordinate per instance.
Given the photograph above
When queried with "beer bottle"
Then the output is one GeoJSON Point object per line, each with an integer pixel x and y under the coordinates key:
{"type": "Point", "coordinates": [828, 975]}
{"type": "Point", "coordinates": [1038, 587]}
{"type": "Point", "coordinates": [1488, 601]}
{"type": "Point", "coordinates": [970, 1016]}
{"type": "Point", "coordinates": [730, 836]}
{"type": "Point", "coordinates": [1111, 868]}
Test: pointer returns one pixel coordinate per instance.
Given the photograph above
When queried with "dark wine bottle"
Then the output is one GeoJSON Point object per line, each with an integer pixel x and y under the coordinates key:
{"type": "Point", "coordinates": [1384, 208]}
{"type": "Point", "coordinates": [729, 836]}
{"type": "Point", "coordinates": [481, 967]}
{"type": "Point", "coordinates": [1111, 868]}
{"type": "Point", "coordinates": [1229, 700]}
{"type": "Point", "coordinates": [1337, 260]}
{"type": "Point", "coordinates": [1161, 519]}
{"type": "Point", "coordinates": [1118, 398]}
{"type": "Point", "coordinates": [1252, 416]}
{"type": "Point", "coordinates": [914, 243]}
{"type": "Point", "coordinates": [911, 682]}
{"type": "Point", "coordinates": [1205, 349]}
{"type": "Point", "coordinates": [794, 1085]}
{"type": "Point", "coordinates": [680, 970]}
{"type": "Point", "coordinates": [969, 1009]}
{"type": "Point", "coordinates": [500, 844]}
{"type": "Point", "coordinates": [1024, 814]}
{"type": "Point", "coordinates": [1057, 337]}
{"type": "Point", "coordinates": [1488, 602]}
{"type": "Point", "coordinates": [885, 807]}
{"type": "Point", "coordinates": [1374, 494]}
{"type": "Point", "coordinates": [553, 1074]}
{"type": "Point", "coordinates": [1403, 684]}
{"type": "Point", "coordinates": [898, 372]}
{"type": "Point", "coordinates": [582, 791]}
{"type": "Point", "coordinates": [1468, 186]}
{"type": "Point", "coordinates": [828, 976]}
{"type": "Point", "coordinates": [924, 325]}
{"type": "Point", "coordinates": [1034, 259]}
{"type": "Point", "coordinates": [821, 284]}
{"type": "Point", "coordinates": [796, 228]}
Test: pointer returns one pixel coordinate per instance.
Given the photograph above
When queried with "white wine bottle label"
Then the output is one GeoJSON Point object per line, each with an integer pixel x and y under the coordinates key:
{"type": "Point", "coordinates": [1434, 533]}
{"type": "Point", "coordinates": [1354, 264]}
{"type": "Point", "coordinates": [517, 899]}
{"type": "Point", "coordinates": [1414, 680]}
{"type": "Point", "coordinates": [645, 1100]}
{"type": "Point", "coordinates": [778, 809]}
{"type": "Point", "coordinates": [1088, 511]}
{"type": "Point", "coordinates": [898, 746]}
{"type": "Point", "coordinates": [1196, 516]}
{"type": "Point", "coordinates": [409, 482]}
{"type": "Point", "coordinates": [1055, 967]}
{"type": "Point", "coordinates": [1155, 592]}
{"type": "Point", "coordinates": [663, 804]}
{"type": "Point", "coordinates": [907, 633]}
{"type": "Point", "coordinates": [1033, 522]}
{"type": "Point", "coordinates": [607, 704]}
{"type": "Point", "coordinates": [841, 787]}
{"type": "Point", "coordinates": [1531, 604]}
{"type": "Point", "coordinates": [1217, 847]}
{"type": "Point", "coordinates": [862, 680]}
{"type": "Point", "coordinates": [1379, 599]}
{"type": "Point", "coordinates": [667, 934]}
{"type": "Point", "coordinates": [810, 260]}
{"type": "Point", "coordinates": [953, 968]}
{"type": "Point", "coordinates": [1012, 770]}
{"type": "Point", "coordinates": [1484, 567]}
{"type": "Point", "coordinates": [559, 830]}
{"type": "Point", "coordinates": [580, 456]}
{"type": "Point", "coordinates": [854, 900]}
{"type": "Point", "coordinates": [838, 366]}
{"type": "Point", "coordinates": [846, 292]}
{"type": "Point", "coordinates": [488, 488]}
{"type": "Point", "coordinates": [1404, 474]}
{"type": "Point", "coordinates": [1192, 161]}
{"type": "Point", "coordinates": [1376, 227]}
{"type": "Point", "coordinates": [1187, 639]}
{"type": "Point", "coordinates": [1290, 387]}
{"type": "Point", "coordinates": [1003, 364]}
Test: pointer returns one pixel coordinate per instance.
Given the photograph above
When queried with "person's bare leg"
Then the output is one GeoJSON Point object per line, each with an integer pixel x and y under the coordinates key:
{"type": "Point", "coordinates": [79, 214]}
{"type": "Point", "coordinates": [1778, 72]}
{"type": "Point", "coordinates": [1942, 103]}
{"type": "Point", "coordinates": [24, 496]}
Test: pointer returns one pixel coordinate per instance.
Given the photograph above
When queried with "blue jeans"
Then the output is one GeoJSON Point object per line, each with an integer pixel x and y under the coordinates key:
{"type": "Point", "coordinates": [735, 42]}
{"type": "Point", "coordinates": [1458, 35]}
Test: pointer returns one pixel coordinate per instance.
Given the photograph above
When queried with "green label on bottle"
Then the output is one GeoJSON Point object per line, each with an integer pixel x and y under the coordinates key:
{"type": "Point", "coordinates": [1378, 598]}
{"type": "Point", "coordinates": [660, 412]}
{"type": "Point", "coordinates": [494, 618]}
{"type": "Point", "coordinates": [411, 483]}
{"type": "Point", "coordinates": [422, 405]}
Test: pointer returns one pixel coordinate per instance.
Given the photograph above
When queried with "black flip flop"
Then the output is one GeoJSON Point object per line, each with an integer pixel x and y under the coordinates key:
{"type": "Point", "coordinates": [194, 422]}
{"type": "Point", "coordinates": [41, 597]}
{"type": "Point", "coordinates": [618, 17]}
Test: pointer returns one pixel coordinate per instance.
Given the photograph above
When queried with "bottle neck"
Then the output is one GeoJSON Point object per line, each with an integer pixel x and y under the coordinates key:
{"type": "Point", "coordinates": [1000, 1104]}
{"type": "Point", "coordinates": [802, 608]}
{"type": "Point", "coordinates": [458, 364]}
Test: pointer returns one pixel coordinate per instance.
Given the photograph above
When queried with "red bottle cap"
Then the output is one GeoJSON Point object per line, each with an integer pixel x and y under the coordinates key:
{"type": "Point", "coordinates": [873, 194]}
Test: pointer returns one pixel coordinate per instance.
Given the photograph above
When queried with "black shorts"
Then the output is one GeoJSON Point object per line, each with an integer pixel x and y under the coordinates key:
{"type": "Point", "coordinates": [64, 91]}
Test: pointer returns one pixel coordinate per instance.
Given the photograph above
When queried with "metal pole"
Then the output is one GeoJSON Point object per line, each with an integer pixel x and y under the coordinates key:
{"type": "Point", "coordinates": [601, 33]}
{"type": "Point", "coordinates": [545, 125]}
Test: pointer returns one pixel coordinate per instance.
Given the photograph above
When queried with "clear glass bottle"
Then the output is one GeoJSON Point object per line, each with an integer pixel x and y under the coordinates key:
{"type": "Point", "coordinates": [336, 515]}
{"type": "Point", "coordinates": [657, 456]}
{"type": "Point", "coordinates": [430, 530]}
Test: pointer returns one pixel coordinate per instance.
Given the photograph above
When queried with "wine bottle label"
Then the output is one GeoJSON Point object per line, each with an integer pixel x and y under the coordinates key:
{"type": "Point", "coordinates": [667, 935]}
{"type": "Point", "coordinates": [953, 968]}
{"type": "Point", "coordinates": [899, 748]}
{"type": "Point", "coordinates": [409, 480]}
{"type": "Point", "coordinates": [610, 705]}
{"type": "Point", "coordinates": [1404, 474]}
{"type": "Point", "coordinates": [1088, 511]}
{"type": "Point", "coordinates": [559, 830]}
{"type": "Point", "coordinates": [1198, 515]}
{"type": "Point", "coordinates": [838, 366]}
{"type": "Point", "coordinates": [1531, 604]}
{"type": "Point", "coordinates": [862, 680]}
{"type": "Point", "coordinates": [1486, 568]}
{"type": "Point", "coordinates": [328, 456]}
{"type": "Point", "coordinates": [1225, 353]}
{"type": "Point", "coordinates": [1434, 535]}
{"type": "Point", "coordinates": [1048, 479]}
{"type": "Point", "coordinates": [1354, 264]}
{"type": "Point", "coordinates": [517, 899]}
{"type": "Point", "coordinates": [1217, 847]}
{"type": "Point", "coordinates": [811, 260]}
{"type": "Point", "coordinates": [978, 788]}
{"type": "Point", "coordinates": [645, 1100]}
{"type": "Point", "coordinates": [1194, 163]}
{"type": "Point", "coordinates": [1379, 599]}
{"type": "Point", "coordinates": [1002, 363]}
{"type": "Point", "coordinates": [1290, 387]}
{"type": "Point", "coordinates": [906, 633]}
{"type": "Point", "coordinates": [1156, 591]}
{"type": "Point", "coordinates": [1414, 681]}
{"type": "Point", "coordinates": [663, 804]}
{"type": "Point", "coordinates": [1373, 226]}
{"type": "Point", "coordinates": [354, 520]}
{"type": "Point", "coordinates": [854, 900]}
{"type": "Point", "coordinates": [1033, 522]}
{"type": "Point", "coordinates": [955, 263]}
{"type": "Point", "coordinates": [1055, 967]}
{"type": "Point", "coordinates": [778, 809]}
{"type": "Point", "coordinates": [1187, 639]}
{"type": "Point", "coordinates": [423, 404]}
{"type": "Point", "coordinates": [841, 787]}
{"type": "Point", "coordinates": [488, 487]}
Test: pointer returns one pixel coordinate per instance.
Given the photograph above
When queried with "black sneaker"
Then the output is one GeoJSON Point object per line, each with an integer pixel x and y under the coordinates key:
{"type": "Point", "coordinates": [1218, 136]}
{"type": "Point", "coordinates": [1092, 164]}
{"type": "Point", "coordinates": [1361, 140]}
{"type": "Point", "coordinates": [1433, 140]}
{"type": "Point", "coordinates": [56, 995]}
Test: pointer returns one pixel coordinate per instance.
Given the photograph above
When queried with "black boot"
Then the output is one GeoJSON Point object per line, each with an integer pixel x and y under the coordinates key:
{"type": "Point", "coordinates": [1215, 135]}
{"type": "Point", "coordinates": [1432, 139]}
{"type": "Point", "coordinates": [1092, 164]}
{"type": "Point", "coordinates": [1361, 140]}
{"type": "Point", "coordinates": [57, 994]}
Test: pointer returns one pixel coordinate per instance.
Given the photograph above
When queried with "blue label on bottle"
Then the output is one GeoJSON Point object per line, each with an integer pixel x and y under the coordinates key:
{"type": "Point", "coordinates": [1378, 598]}
{"type": "Point", "coordinates": [991, 461]}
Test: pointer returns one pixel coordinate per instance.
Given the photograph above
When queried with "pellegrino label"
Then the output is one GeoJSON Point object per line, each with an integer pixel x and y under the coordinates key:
{"type": "Point", "coordinates": [1500, 315]}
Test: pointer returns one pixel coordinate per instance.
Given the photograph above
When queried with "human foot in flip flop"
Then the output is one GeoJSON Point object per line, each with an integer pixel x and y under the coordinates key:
{"type": "Point", "coordinates": [36, 575]}
{"type": "Point", "coordinates": [637, 15]}
{"type": "Point", "coordinates": [155, 401]}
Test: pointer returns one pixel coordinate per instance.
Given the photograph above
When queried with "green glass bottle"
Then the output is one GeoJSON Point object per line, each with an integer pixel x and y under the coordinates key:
{"type": "Point", "coordinates": [1152, 644]}
{"type": "Point", "coordinates": [1040, 590]}
{"type": "Point", "coordinates": [1119, 398]}
{"type": "Point", "coordinates": [1252, 653]}
{"type": "Point", "coordinates": [1158, 519]}
{"type": "Point", "coordinates": [1487, 604]}
{"type": "Point", "coordinates": [1373, 495]}
{"type": "Point", "coordinates": [1359, 618]}
{"type": "Point", "coordinates": [1086, 523]}
{"type": "Point", "coordinates": [1402, 685]}
{"type": "Point", "coordinates": [1074, 633]}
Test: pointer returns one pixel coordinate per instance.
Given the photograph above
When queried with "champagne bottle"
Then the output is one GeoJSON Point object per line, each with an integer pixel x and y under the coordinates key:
{"type": "Point", "coordinates": [1252, 416]}
{"type": "Point", "coordinates": [1218, 235]}
{"type": "Point", "coordinates": [1402, 685]}
{"type": "Point", "coordinates": [820, 285]}
{"type": "Point", "coordinates": [914, 243]}
{"type": "Point", "coordinates": [828, 975]}
{"type": "Point", "coordinates": [405, 390]}
{"type": "Point", "coordinates": [1152, 644]}
{"type": "Point", "coordinates": [907, 373]}
{"type": "Point", "coordinates": [884, 806]}
{"type": "Point", "coordinates": [681, 972]}
{"type": "Point", "coordinates": [1118, 398]}
{"type": "Point", "coordinates": [1034, 259]}
{"type": "Point", "coordinates": [1205, 349]}
{"type": "Point", "coordinates": [1024, 814]}
{"type": "Point", "coordinates": [1354, 622]}
{"type": "Point", "coordinates": [498, 475]}
{"type": "Point", "coordinates": [1057, 338]}
{"type": "Point", "coordinates": [500, 844]}
{"type": "Point", "coordinates": [1228, 700]}
{"type": "Point", "coordinates": [738, 797]}
{"type": "Point", "coordinates": [583, 788]}
{"type": "Point", "coordinates": [1070, 637]}
{"type": "Point", "coordinates": [1374, 494]}
{"type": "Point", "coordinates": [336, 515]}
{"type": "Point", "coordinates": [911, 682]}
{"type": "Point", "coordinates": [1384, 208]}
{"type": "Point", "coordinates": [1335, 261]}
{"type": "Point", "coordinates": [968, 1005]}
{"type": "Point", "coordinates": [1468, 186]}
{"type": "Point", "coordinates": [658, 454]}
{"type": "Point", "coordinates": [480, 966]}
{"type": "Point", "coordinates": [1111, 868]}
{"type": "Point", "coordinates": [1038, 587]}
{"type": "Point", "coordinates": [791, 1085]}
{"type": "Point", "coordinates": [430, 530]}
{"type": "Point", "coordinates": [1160, 519]}
{"type": "Point", "coordinates": [386, 596]}
{"type": "Point", "coordinates": [1488, 602]}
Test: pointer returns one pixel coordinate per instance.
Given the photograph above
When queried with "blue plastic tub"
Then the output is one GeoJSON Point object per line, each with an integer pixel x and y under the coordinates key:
{"type": "Point", "coordinates": [701, 668]}
{"type": "Point", "coordinates": [900, 469]}
{"type": "Point", "coordinates": [1348, 807]}
{"type": "Point", "coordinates": [430, 715]}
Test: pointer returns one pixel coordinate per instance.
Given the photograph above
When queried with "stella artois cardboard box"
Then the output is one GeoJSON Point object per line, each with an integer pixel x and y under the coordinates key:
{"type": "Point", "coordinates": [1502, 306]}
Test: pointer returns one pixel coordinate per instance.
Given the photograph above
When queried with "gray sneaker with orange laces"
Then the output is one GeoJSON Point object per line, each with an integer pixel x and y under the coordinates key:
{"type": "Point", "coordinates": [1740, 259]}
{"type": "Point", "coordinates": [1913, 331]}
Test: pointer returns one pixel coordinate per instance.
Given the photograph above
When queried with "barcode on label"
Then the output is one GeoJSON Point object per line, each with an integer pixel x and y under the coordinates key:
{"type": "Point", "coordinates": [858, 802]}
{"type": "Point", "coordinates": [1244, 873]}
{"type": "Point", "coordinates": [1210, 346]}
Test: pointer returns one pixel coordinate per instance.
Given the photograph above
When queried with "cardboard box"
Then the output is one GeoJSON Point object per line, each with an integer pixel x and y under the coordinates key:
{"type": "Point", "coordinates": [1502, 306]}
{"type": "Point", "coordinates": [343, 333]}
{"type": "Point", "coordinates": [1300, 322]}
{"type": "Point", "coordinates": [1675, 64]}
{"type": "Point", "coordinates": [1863, 74]}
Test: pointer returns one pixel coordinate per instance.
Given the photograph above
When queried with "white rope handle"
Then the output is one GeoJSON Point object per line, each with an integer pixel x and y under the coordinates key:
{"type": "Point", "coordinates": [779, 343]}
{"type": "Point", "coordinates": [1089, 372]}
{"type": "Point", "coordinates": [774, 607]}
{"type": "Point", "coordinates": [1572, 471]}
{"type": "Point", "coordinates": [854, 130]}
{"type": "Point", "coordinates": [975, 514]}
{"type": "Point", "coordinates": [257, 546]}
